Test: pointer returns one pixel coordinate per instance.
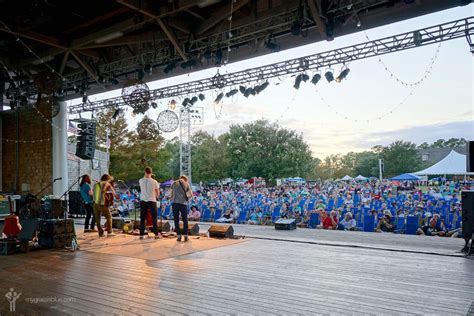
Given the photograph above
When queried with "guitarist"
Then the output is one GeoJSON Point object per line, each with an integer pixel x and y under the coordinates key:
{"type": "Point", "coordinates": [103, 198]}
{"type": "Point", "coordinates": [181, 193]}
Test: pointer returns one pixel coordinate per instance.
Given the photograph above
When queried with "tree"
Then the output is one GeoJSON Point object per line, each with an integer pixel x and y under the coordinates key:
{"type": "Point", "coordinates": [261, 149]}
{"type": "Point", "coordinates": [118, 130]}
{"type": "Point", "coordinates": [367, 164]}
{"type": "Point", "coordinates": [209, 157]}
{"type": "Point", "coordinates": [399, 157]}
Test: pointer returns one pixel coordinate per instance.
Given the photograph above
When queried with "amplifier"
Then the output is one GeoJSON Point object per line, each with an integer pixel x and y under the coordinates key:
{"type": "Point", "coordinates": [285, 224]}
{"type": "Point", "coordinates": [56, 226]}
{"type": "Point", "coordinates": [193, 229]}
{"type": "Point", "coordinates": [467, 211]}
{"type": "Point", "coordinates": [55, 241]}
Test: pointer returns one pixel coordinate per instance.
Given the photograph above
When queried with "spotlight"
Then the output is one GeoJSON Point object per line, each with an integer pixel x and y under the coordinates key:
{"type": "Point", "coordinates": [219, 56]}
{"type": "Point", "coordinates": [231, 93]}
{"type": "Point", "coordinates": [297, 82]}
{"type": "Point", "coordinates": [84, 98]}
{"type": "Point", "coordinates": [201, 96]}
{"type": "Point", "coordinates": [101, 80]}
{"type": "Point", "coordinates": [140, 74]}
{"type": "Point", "coordinates": [76, 89]}
{"type": "Point", "coordinates": [116, 114]}
{"type": "Point", "coordinates": [242, 89]}
{"type": "Point", "coordinates": [262, 87]}
{"type": "Point", "coordinates": [172, 104]}
{"type": "Point", "coordinates": [342, 75]}
{"type": "Point", "coordinates": [271, 45]}
{"type": "Point", "coordinates": [148, 69]}
{"type": "Point", "coordinates": [113, 81]}
{"type": "Point", "coordinates": [169, 68]}
{"type": "Point", "coordinates": [329, 76]}
{"type": "Point", "coordinates": [219, 97]}
{"type": "Point", "coordinates": [316, 79]}
{"type": "Point", "coordinates": [304, 77]}
{"type": "Point", "coordinates": [296, 28]}
{"type": "Point", "coordinates": [248, 92]}
{"type": "Point", "coordinates": [185, 102]}
{"type": "Point", "coordinates": [208, 54]}
{"type": "Point", "coordinates": [193, 100]}
{"type": "Point", "coordinates": [154, 105]}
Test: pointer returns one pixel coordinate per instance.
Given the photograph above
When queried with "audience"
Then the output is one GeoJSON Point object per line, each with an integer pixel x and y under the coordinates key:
{"type": "Point", "coordinates": [348, 223]}
{"type": "Point", "coordinates": [194, 214]}
{"type": "Point", "coordinates": [385, 223]}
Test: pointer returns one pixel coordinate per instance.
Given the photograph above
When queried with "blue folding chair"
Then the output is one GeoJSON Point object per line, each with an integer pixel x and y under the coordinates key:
{"type": "Point", "coordinates": [206, 215]}
{"type": "Point", "coordinates": [242, 219]}
{"type": "Point", "coordinates": [369, 223]}
{"type": "Point", "coordinates": [313, 220]}
{"type": "Point", "coordinates": [217, 214]}
{"type": "Point", "coordinates": [411, 225]}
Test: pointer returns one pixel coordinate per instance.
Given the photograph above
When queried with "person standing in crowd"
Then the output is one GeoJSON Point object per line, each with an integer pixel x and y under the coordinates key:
{"type": "Point", "coordinates": [103, 198]}
{"type": "Point", "coordinates": [149, 194]}
{"type": "Point", "coordinates": [86, 194]}
{"type": "Point", "coordinates": [181, 193]}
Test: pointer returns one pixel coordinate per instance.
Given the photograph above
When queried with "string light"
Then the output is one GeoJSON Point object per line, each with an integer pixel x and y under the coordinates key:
{"type": "Point", "coordinates": [426, 73]}
{"type": "Point", "coordinates": [229, 36]}
{"type": "Point", "coordinates": [26, 141]}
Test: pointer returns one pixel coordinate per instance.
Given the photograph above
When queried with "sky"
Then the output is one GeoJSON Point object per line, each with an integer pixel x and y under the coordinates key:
{"type": "Point", "coordinates": [368, 108]}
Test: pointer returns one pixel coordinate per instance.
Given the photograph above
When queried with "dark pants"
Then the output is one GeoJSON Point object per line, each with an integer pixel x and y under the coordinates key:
{"type": "Point", "coordinates": [183, 210]}
{"type": "Point", "coordinates": [89, 215]}
{"type": "Point", "coordinates": [144, 207]}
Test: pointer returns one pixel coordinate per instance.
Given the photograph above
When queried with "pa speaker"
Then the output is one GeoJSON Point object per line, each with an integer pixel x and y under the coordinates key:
{"type": "Point", "coordinates": [285, 224]}
{"type": "Point", "coordinates": [221, 231]}
{"type": "Point", "coordinates": [470, 156]}
{"type": "Point", "coordinates": [467, 209]}
{"type": "Point", "coordinates": [193, 229]}
{"type": "Point", "coordinates": [85, 152]}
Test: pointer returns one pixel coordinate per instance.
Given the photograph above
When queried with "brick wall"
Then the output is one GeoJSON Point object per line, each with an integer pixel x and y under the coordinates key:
{"type": "Point", "coordinates": [35, 159]}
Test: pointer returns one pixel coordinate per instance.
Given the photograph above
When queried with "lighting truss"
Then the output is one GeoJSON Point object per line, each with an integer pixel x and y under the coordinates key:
{"type": "Point", "coordinates": [421, 37]}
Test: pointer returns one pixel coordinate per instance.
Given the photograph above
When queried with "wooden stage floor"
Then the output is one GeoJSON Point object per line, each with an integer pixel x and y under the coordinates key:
{"type": "Point", "coordinates": [266, 275]}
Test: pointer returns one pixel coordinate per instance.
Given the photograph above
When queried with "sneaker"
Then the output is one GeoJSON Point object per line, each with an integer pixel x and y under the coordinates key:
{"type": "Point", "coordinates": [179, 238]}
{"type": "Point", "coordinates": [142, 237]}
{"type": "Point", "coordinates": [111, 234]}
{"type": "Point", "coordinates": [186, 238]}
{"type": "Point", "coordinates": [158, 236]}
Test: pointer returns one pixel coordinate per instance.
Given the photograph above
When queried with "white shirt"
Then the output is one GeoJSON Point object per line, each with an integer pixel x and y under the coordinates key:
{"type": "Point", "coordinates": [148, 187]}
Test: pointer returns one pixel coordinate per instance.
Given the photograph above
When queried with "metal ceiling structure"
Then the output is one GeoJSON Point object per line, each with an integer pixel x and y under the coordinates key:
{"type": "Point", "coordinates": [96, 50]}
{"type": "Point", "coordinates": [463, 28]}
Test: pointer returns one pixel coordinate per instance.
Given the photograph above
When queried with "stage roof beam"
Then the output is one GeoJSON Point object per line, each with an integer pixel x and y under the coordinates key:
{"type": "Point", "coordinates": [221, 14]}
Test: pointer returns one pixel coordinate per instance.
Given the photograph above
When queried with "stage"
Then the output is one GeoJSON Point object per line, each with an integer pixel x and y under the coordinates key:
{"type": "Point", "coordinates": [268, 272]}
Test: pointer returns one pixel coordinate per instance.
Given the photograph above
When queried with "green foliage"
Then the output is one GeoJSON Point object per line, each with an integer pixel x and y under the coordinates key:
{"type": "Point", "coordinates": [210, 159]}
{"type": "Point", "coordinates": [441, 143]}
{"type": "Point", "coordinates": [399, 157]}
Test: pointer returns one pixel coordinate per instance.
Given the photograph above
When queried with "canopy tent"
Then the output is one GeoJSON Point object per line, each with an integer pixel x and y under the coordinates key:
{"type": "Point", "coordinates": [453, 164]}
{"type": "Point", "coordinates": [360, 177]}
{"type": "Point", "coordinates": [405, 177]}
{"type": "Point", "coordinates": [347, 178]}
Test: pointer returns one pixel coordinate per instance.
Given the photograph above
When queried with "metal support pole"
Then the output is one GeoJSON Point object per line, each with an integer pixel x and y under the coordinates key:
{"type": "Point", "coordinates": [185, 143]}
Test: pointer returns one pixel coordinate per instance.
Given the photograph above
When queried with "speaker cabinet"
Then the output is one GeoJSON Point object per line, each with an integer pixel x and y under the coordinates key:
{"type": "Point", "coordinates": [193, 229]}
{"type": "Point", "coordinates": [85, 148]}
{"type": "Point", "coordinates": [467, 210]}
{"type": "Point", "coordinates": [221, 231]}
{"type": "Point", "coordinates": [285, 224]}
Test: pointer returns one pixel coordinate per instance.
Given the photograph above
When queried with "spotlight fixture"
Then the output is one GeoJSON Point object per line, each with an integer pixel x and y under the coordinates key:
{"type": "Point", "coordinates": [262, 87]}
{"type": "Point", "coordinates": [296, 28]}
{"type": "Point", "coordinates": [219, 97]}
{"type": "Point", "coordinates": [113, 81]}
{"type": "Point", "coordinates": [248, 92]}
{"type": "Point", "coordinates": [316, 79]}
{"type": "Point", "coordinates": [271, 45]}
{"type": "Point", "coordinates": [148, 69]}
{"type": "Point", "coordinates": [297, 82]}
{"type": "Point", "coordinates": [170, 67]}
{"type": "Point", "coordinates": [201, 96]}
{"type": "Point", "coordinates": [154, 105]}
{"type": "Point", "coordinates": [231, 93]}
{"type": "Point", "coordinates": [342, 75]}
{"type": "Point", "coordinates": [242, 89]}
{"type": "Point", "coordinates": [84, 98]}
{"type": "Point", "coordinates": [193, 100]}
{"type": "Point", "coordinates": [185, 102]}
{"type": "Point", "coordinates": [116, 114]}
{"type": "Point", "coordinates": [140, 74]}
{"type": "Point", "coordinates": [304, 77]}
{"type": "Point", "coordinates": [253, 91]}
{"type": "Point", "coordinates": [208, 54]}
{"type": "Point", "coordinates": [172, 104]}
{"type": "Point", "coordinates": [329, 76]}
{"type": "Point", "coordinates": [219, 55]}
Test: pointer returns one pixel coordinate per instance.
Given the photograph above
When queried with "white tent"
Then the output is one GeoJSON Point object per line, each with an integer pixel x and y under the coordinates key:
{"type": "Point", "coordinates": [453, 164]}
{"type": "Point", "coordinates": [347, 178]}
{"type": "Point", "coordinates": [360, 177]}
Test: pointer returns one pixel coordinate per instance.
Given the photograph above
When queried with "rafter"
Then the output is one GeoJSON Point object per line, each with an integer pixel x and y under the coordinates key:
{"type": "Point", "coordinates": [47, 40]}
{"type": "Point", "coordinates": [163, 26]}
{"type": "Point", "coordinates": [314, 7]}
{"type": "Point", "coordinates": [63, 62]}
{"type": "Point", "coordinates": [85, 66]}
{"type": "Point", "coordinates": [221, 14]}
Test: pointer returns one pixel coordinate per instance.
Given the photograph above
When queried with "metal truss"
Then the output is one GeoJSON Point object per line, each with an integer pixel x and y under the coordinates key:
{"type": "Point", "coordinates": [421, 37]}
{"type": "Point", "coordinates": [185, 143]}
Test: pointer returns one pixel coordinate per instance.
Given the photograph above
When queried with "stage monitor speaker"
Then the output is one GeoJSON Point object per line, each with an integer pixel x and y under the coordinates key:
{"type": "Point", "coordinates": [467, 211]}
{"type": "Point", "coordinates": [470, 156]}
{"type": "Point", "coordinates": [221, 231]}
{"type": "Point", "coordinates": [285, 224]}
{"type": "Point", "coordinates": [75, 203]}
{"type": "Point", "coordinates": [28, 229]}
{"type": "Point", "coordinates": [193, 229]}
{"type": "Point", "coordinates": [164, 227]}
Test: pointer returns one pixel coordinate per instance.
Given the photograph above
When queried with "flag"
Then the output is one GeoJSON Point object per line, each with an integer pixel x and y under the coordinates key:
{"type": "Point", "coordinates": [72, 128]}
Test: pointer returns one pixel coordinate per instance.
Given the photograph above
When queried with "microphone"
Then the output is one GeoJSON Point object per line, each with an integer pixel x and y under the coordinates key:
{"type": "Point", "coordinates": [57, 179]}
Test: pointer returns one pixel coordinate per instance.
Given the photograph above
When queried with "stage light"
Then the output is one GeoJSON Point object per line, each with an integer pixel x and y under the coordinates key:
{"type": "Point", "coordinates": [316, 79]}
{"type": "Point", "coordinates": [296, 28]}
{"type": "Point", "coordinates": [297, 82]}
{"type": "Point", "coordinates": [262, 87]}
{"type": "Point", "coordinates": [140, 74]}
{"type": "Point", "coordinates": [342, 75]}
{"type": "Point", "coordinates": [116, 114]}
{"type": "Point", "coordinates": [113, 81]}
{"type": "Point", "coordinates": [253, 91]}
{"type": "Point", "coordinates": [304, 77]}
{"type": "Point", "coordinates": [248, 92]}
{"type": "Point", "coordinates": [271, 45]}
{"type": "Point", "coordinates": [173, 104]}
{"type": "Point", "coordinates": [208, 54]}
{"type": "Point", "coordinates": [219, 55]}
{"type": "Point", "coordinates": [185, 102]}
{"type": "Point", "coordinates": [169, 68]}
{"type": "Point", "coordinates": [201, 96]}
{"type": "Point", "coordinates": [154, 105]}
{"type": "Point", "coordinates": [242, 89]}
{"type": "Point", "coordinates": [193, 100]}
{"type": "Point", "coordinates": [84, 98]}
{"type": "Point", "coordinates": [231, 93]}
{"type": "Point", "coordinates": [219, 97]}
{"type": "Point", "coordinates": [148, 69]}
{"type": "Point", "coordinates": [329, 76]}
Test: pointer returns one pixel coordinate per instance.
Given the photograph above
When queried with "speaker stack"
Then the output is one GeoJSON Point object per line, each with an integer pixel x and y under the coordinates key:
{"type": "Point", "coordinates": [470, 156]}
{"type": "Point", "coordinates": [86, 140]}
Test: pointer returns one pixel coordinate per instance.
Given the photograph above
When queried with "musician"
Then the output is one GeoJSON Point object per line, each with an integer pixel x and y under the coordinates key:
{"type": "Point", "coordinates": [181, 193]}
{"type": "Point", "coordinates": [149, 195]}
{"type": "Point", "coordinates": [87, 195]}
{"type": "Point", "coordinates": [103, 198]}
